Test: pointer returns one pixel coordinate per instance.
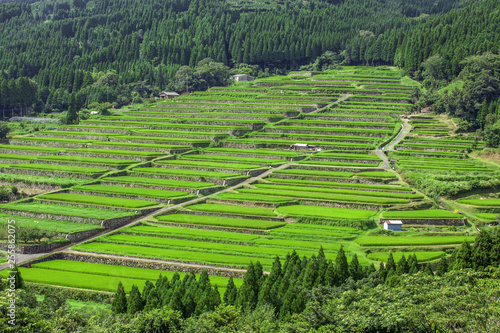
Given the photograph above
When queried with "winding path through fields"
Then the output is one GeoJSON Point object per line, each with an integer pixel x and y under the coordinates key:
{"type": "Point", "coordinates": [405, 129]}
{"type": "Point", "coordinates": [22, 258]}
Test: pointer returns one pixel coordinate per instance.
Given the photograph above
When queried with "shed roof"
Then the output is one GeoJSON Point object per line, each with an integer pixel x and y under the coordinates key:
{"type": "Point", "coordinates": [393, 222]}
{"type": "Point", "coordinates": [169, 93]}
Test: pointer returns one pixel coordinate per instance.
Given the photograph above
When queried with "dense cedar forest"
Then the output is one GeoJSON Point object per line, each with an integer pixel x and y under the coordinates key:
{"type": "Point", "coordinates": [301, 295]}
{"type": "Point", "coordinates": [115, 51]}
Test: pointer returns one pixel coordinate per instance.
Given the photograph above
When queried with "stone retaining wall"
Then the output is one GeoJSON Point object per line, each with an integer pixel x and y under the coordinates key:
{"type": "Point", "coordinates": [51, 144]}
{"type": "Point", "coordinates": [213, 227]}
{"type": "Point", "coordinates": [379, 100]}
{"type": "Point", "coordinates": [239, 145]}
{"type": "Point", "coordinates": [308, 167]}
{"type": "Point", "coordinates": [145, 264]}
{"type": "Point", "coordinates": [253, 217]}
{"type": "Point", "coordinates": [251, 173]}
{"type": "Point", "coordinates": [250, 203]}
{"type": "Point", "coordinates": [376, 112]}
{"type": "Point", "coordinates": [81, 164]}
{"type": "Point", "coordinates": [217, 181]}
{"type": "Point", "coordinates": [330, 179]}
{"type": "Point", "coordinates": [83, 153]}
{"type": "Point", "coordinates": [326, 203]}
{"type": "Point", "coordinates": [299, 138]}
{"type": "Point", "coordinates": [201, 191]}
{"type": "Point", "coordinates": [326, 159]}
{"type": "Point", "coordinates": [160, 142]}
{"type": "Point", "coordinates": [150, 149]}
{"type": "Point", "coordinates": [325, 116]}
{"type": "Point", "coordinates": [305, 131]}
{"type": "Point", "coordinates": [430, 148]}
{"type": "Point", "coordinates": [54, 173]}
{"type": "Point", "coordinates": [450, 222]}
{"type": "Point", "coordinates": [27, 152]}
{"type": "Point", "coordinates": [81, 235]}
{"type": "Point", "coordinates": [70, 136]}
{"type": "Point", "coordinates": [82, 205]}
{"type": "Point", "coordinates": [272, 160]}
{"type": "Point", "coordinates": [36, 248]}
{"type": "Point", "coordinates": [390, 127]}
{"type": "Point", "coordinates": [46, 216]}
{"type": "Point", "coordinates": [424, 155]}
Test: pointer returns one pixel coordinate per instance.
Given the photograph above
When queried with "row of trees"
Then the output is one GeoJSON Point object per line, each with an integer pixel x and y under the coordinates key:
{"type": "Point", "coordinates": [300, 295]}
{"type": "Point", "coordinates": [145, 43]}
{"type": "Point", "coordinates": [475, 98]}
{"type": "Point", "coordinates": [283, 288]}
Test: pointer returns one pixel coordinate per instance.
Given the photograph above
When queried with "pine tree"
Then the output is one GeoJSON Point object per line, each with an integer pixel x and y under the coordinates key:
{"type": "Point", "coordinates": [119, 304]}
{"type": "Point", "coordinates": [214, 297]}
{"type": "Point", "coordinates": [495, 248]}
{"type": "Point", "coordinates": [463, 256]}
{"type": "Point", "coordinates": [247, 295]}
{"type": "Point", "coordinates": [390, 264]}
{"type": "Point", "coordinates": [330, 279]}
{"type": "Point", "coordinates": [310, 273]}
{"type": "Point", "coordinates": [231, 292]}
{"type": "Point", "coordinates": [355, 269]}
{"type": "Point", "coordinates": [482, 250]}
{"type": "Point", "coordinates": [428, 270]}
{"type": "Point", "coordinates": [442, 267]}
{"type": "Point", "coordinates": [341, 266]}
{"type": "Point", "coordinates": [152, 301]}
{"type": "Point", "coordinates": [18, 279]}
{"type": "Point", "coordinates": [135, 302]}
{"type": "Point", "coordinates": [402, 266]}
{"type": "Point", "coordinates": [413, 264]}
{"type": "Point", "coordinates": [72, 113]}
{"type": "Point", "coordinates": [369, 270]}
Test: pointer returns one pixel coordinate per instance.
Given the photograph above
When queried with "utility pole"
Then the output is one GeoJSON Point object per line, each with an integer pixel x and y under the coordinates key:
{"type": "Point", "coordinates": [187, 81]}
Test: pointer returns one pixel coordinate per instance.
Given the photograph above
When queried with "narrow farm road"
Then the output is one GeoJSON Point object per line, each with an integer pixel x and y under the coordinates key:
{"type": "Point", "coordinates": [405, 129]}
{"type": "Point", "coordinates": [343, 98]}
{"type": "Point", "coordinates": [22, 258]}
{"type": "Point", "coordinates": [160, 261]}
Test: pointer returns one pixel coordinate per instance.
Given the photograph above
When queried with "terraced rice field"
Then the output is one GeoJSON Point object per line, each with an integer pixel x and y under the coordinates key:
{"type": "Point", "coordinates": [326, 187]}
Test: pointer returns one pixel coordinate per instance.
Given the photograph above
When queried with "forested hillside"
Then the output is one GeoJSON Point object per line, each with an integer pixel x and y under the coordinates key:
{"type": "Point", "coordinates": [67, 46]}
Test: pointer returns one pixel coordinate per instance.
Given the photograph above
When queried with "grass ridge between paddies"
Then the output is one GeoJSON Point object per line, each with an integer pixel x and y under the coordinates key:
{"type": "Point", "coordinates": [220, 221]}
{"type": "Point", "coordinates": [50, 208]}
{"type": "Point", "coordinates": [97, 200]}
{"type": "Point", "coordinates": [412, 240]}
{"type": "Point", "coordinates": [481, 202]}
{"type": "Point", "coordinates": [422, 214]}
{"type": "Point", "coordinates": [230, 209]}
{"type": "Point", "coordinates": [131, 191]}
{"type": "Point", "coordinates": [421, 256]}
{"type": "Point", "coordinates": [100, 277]}
{"type": "Point", "coordinates": [325, 212]}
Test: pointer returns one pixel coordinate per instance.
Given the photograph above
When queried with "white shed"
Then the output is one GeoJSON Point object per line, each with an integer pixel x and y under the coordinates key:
{"type": "Point", "coordinates": [242, 77]}
{"type": "Point", "coordinates": [168, 94]}
{"type": "Point", "coordinates": [394, 225]}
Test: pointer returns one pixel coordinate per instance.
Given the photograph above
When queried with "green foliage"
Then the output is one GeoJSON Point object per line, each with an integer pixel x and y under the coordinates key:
{"type": "Point", "coordinates": [120, 300]}
{"type": "Point", "coordinates": [97, 200]}
{"type": "Point", "coordinates": [220, 221]}
{"type": "Point", "coordinates": [227, 209]}
{"type": "Point", "coordinates": [34, 234]}
{"type": "Point", "coordinates": [325, 212]}
{"type": "Point", "coordinates": [4, 130]}
{"type": "Point", "coordinates": [95, 213]}
{"type": "Point", "coordinates": [135, 302]}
